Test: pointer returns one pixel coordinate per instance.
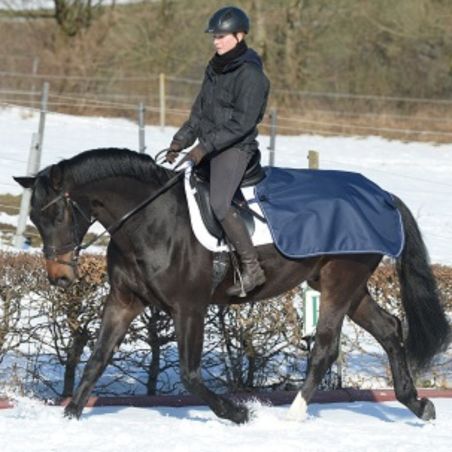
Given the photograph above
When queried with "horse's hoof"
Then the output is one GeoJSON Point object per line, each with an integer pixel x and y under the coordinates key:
{"type": "Point", "coordinates": [241, 414]}
{"type": "Point", "coordinates": [428, 411]}
{"type": "Point", "coordinates": [72, 411]}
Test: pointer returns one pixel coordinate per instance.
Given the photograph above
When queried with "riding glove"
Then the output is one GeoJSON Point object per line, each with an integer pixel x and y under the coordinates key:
{"type": "Point", "coordinates": [196, 154]}
{"type": "Point", "coordinates": [173, 151]}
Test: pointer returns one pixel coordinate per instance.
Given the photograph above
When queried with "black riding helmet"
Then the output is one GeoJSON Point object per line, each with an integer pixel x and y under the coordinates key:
{"type": "Point", "coordinates": [228, 20]}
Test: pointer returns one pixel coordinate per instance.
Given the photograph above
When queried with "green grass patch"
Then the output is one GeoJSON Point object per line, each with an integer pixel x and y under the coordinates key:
{"type": "Point", "coordinates": [10, 204]}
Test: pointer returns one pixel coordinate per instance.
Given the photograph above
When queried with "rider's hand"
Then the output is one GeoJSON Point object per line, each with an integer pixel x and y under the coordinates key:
{"type": "Point", "coordinates": [196, 154]}
{"type": "Point", "coordinates": [174, 149]}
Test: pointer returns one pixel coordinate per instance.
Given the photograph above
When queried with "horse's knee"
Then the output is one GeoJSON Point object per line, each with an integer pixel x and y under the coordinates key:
{"type": "Point", "coordinates": [327, 339]}
{"type": "Point", "coordinates": [324, 337]}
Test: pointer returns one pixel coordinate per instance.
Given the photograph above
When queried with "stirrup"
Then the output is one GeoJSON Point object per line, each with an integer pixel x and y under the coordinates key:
{"type": "Point", "coordinates": [242, 289]}
{"type": "Point", "coordinates": [238, 273]}
{"type": "Point", "coordinates": [236, 267]}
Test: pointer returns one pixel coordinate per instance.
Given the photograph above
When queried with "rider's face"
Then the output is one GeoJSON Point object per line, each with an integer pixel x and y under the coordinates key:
{"type": "Point", "coordinates": [225, 42]}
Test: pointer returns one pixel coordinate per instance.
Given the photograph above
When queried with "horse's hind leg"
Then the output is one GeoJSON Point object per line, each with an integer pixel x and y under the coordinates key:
{"type": "Point", "coordinates": [117, 315]}
{"type": "Point", "coordinates": [387, 331]}
{"type": "Point", "coordinates": [325, 351]}
{"type": "Point", "coordinates": [189, 325]}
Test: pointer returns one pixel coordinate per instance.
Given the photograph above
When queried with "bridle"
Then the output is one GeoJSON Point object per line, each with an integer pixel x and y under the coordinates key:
{"type": "Point", "coordinates": [52, 252]}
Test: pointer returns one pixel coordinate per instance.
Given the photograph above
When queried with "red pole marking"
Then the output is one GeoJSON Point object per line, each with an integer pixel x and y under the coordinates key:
{"type": "Point", "coordinates": [274, 398]}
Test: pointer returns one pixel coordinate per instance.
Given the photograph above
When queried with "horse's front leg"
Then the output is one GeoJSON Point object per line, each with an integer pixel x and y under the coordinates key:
{"type": "Point", "coordinates": [119, 311]}
{"type": "Point", "coordinates": [189, 324]}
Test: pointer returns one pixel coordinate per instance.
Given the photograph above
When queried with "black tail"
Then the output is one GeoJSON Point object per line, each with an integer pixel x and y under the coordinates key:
{"type": "Point", "coordinates": [428, 327]}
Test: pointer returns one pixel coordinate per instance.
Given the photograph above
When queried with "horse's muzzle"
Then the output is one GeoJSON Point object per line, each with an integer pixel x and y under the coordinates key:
{"type": "Point", "coordinates": [62, 282]}
{"type": "Point", "coordinates": [59, 273]}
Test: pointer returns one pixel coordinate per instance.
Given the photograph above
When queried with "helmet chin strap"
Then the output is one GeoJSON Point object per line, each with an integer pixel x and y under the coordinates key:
{"type": "Point", "coordinates": [236, 36]}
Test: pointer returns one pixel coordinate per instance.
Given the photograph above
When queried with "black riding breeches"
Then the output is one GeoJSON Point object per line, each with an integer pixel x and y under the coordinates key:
{"type": "Point", "coordinates": [226, 172]}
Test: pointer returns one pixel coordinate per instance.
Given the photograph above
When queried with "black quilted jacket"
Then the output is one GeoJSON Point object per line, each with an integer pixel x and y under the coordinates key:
{"type": "Point", "coordinates": [228, 107]}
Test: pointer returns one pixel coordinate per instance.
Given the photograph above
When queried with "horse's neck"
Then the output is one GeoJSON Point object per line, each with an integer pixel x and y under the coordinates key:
{"type": "Point", "coordinates": [117, 198]}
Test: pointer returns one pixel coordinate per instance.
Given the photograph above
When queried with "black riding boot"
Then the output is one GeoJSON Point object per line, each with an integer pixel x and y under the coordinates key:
{"type": "Point", "coordinates": [252, 273]}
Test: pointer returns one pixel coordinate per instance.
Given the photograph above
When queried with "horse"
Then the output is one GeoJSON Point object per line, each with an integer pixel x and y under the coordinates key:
{"type": "Point", "coordinates": [154, 259]}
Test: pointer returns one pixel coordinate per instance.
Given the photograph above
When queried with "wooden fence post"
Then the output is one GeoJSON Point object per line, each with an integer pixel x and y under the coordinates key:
{"type": "Point", "coordinates": [162, 101]}
{"type": "Point", "coordinates": [34, 72]}
{"type": "Point", "coordinates": [141, 137]}
{"type": "Point", "coordinates": [313, 159]}
{"type": "Point", "coordinates": [271, 147]}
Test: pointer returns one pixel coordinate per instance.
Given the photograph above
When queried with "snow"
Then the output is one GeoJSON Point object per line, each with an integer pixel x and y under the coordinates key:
{"type": "Point", "coordinates": [47, 4]}
{"type": "Point", "coordinates": [419, 173]}
{"type": "Point", "coordinates": [359, 426]}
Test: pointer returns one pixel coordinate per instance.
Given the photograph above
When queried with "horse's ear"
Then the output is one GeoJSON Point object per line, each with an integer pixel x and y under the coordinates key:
{"type": "Point", "coordinates": [56, 177]}
{"type": "Point", "coordinates": [26, 182]}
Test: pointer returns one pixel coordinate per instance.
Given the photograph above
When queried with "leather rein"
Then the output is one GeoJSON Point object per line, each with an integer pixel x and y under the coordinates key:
{"type": "Point", "coordinates": [52, 252]}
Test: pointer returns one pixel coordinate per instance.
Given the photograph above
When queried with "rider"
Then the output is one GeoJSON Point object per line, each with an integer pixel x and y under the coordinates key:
{"type": "Point", "coordinates": [223, 118]}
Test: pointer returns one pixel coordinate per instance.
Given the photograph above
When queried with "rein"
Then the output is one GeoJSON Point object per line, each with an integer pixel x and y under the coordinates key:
{"type": "Point", "coordinates": [52, 252]}
{"type": "Point", "coordinates": [115, 226]}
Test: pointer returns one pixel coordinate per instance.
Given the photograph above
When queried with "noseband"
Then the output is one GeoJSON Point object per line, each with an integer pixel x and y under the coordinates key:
{"type": "Point", "coordinates": [51, 253]}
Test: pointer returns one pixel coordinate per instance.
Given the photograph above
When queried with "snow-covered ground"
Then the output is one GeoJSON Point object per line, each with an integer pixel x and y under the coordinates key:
{"type": "Point", "coordinates": [419, 173]}
{"type": "Point", "coordinates": [359, 426]}
{"type": "Point", "coordinates": [48, 4]}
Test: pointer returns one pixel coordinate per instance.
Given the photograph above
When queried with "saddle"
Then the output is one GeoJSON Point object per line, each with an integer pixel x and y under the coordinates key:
{"type": "Point", "coordinates": [199, 180]}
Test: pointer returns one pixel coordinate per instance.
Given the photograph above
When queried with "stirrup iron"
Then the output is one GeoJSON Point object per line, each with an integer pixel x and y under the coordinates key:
{"type": "Point", "coordinates": [236, 267]}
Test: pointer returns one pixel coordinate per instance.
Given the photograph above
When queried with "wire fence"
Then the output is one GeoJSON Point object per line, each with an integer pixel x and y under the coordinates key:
{"type": "Point", "coordinates": [298, 111]}
{"type": "Point", "coordinates": [167, 101]}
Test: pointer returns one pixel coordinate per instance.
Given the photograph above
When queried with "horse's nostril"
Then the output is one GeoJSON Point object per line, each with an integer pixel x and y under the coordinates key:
{"type": "Point", "coordinates": [63, 282]}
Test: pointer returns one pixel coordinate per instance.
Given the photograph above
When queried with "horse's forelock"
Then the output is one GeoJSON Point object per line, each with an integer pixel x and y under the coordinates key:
{"type": "Point", "coordinates": [42, 188]}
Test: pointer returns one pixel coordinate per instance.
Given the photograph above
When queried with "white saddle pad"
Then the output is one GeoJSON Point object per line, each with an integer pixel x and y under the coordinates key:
{"type": "Point", "coordinates": [261, 234]}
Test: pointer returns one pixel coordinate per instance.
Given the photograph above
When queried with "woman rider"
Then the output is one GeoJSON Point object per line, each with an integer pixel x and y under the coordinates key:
{"type": "Point", "coordinates": [223, 118]}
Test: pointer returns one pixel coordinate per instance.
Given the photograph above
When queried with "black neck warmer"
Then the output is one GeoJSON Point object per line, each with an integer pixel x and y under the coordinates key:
{"type": "Point", "coordinates": [219, 62]}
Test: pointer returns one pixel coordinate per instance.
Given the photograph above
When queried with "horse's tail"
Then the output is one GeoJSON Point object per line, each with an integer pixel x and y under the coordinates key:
{"type": "Point", "coordinates": [428, 327]}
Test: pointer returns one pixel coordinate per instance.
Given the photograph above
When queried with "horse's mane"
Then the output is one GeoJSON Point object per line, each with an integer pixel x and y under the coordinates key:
{"type": "Point", "coordinates": [98, 164]}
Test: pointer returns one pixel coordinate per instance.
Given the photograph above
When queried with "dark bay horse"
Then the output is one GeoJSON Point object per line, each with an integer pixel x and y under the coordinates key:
{"type": "Point", "coordinates": [155, 259]}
